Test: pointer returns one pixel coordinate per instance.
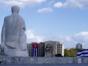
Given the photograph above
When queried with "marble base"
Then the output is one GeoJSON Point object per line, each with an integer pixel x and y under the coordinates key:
{"type": "Point", "coordinates": [43, 60]}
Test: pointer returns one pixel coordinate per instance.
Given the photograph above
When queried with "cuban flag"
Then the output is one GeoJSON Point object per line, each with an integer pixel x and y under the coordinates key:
{"type": "Point", "coordinates": [82, 53]}
{"type": "Point", "coordinates": [35, 49]}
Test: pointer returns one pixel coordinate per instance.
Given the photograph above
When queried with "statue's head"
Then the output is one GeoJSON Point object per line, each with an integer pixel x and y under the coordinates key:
{"type": "Point", "coordinates": [15, 9]}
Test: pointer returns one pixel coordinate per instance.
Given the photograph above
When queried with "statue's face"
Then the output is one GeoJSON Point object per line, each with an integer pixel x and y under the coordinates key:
{"type": "Point", "coordinates": [49, 48]}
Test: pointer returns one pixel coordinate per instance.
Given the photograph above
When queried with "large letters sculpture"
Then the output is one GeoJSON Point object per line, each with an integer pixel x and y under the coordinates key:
{"type": "Point", "coordinates": [13, 38]}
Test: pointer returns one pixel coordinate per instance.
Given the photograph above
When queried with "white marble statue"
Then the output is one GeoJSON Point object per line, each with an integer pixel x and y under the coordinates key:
{"type": "Point", "coordinates": [13, 38]}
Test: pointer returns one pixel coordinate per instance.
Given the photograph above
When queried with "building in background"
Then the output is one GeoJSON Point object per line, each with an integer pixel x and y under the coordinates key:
{"type": "Point", "coordinates": [41, 49]}
{"type": "Point", "coordinates": [79, 46]}
{"type": "Point", "coordinates": [60, 48]}
{"type": "Point", "coordinates": [29, 47]}
{"type": "Point", "coordinates": [50, 48]}
{"type": "Point", "coordinates": [36, 49]}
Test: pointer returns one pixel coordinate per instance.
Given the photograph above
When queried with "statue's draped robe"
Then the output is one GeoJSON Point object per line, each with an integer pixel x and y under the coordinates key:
{"type": "Point", "coordinates": [13, 38]}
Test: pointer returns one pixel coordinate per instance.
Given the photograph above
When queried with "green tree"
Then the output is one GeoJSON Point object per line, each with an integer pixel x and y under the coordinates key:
{"type": "Point", "coordinates": [72, 52]}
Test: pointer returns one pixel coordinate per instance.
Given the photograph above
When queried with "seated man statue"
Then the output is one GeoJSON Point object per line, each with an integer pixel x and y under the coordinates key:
{"type": "Point", "coordinates": [13, 38]}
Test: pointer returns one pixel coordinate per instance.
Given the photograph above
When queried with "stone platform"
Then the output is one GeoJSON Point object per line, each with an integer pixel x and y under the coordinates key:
{"type": "Point", "coordinates": [43, 60]}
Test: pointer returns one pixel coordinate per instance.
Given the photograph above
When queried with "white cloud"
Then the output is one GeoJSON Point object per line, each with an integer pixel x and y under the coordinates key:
{"type": "Point", "coordinates": [71, 41]}
{"type": "Point", "coordinates": [72, 4]}
{"type": "Point", "coordinates": [48, 9]}
{"type": "Point", "coordinates": [83, 37]}
{"type": "Point", "coordinates": [20, 3]}
{"type": "Point", "coordinates": [30, 34]}
{"type": "Point", "coordinates": [51, 2]}
{"type": "Point", "coordinates": [32, 38]}
{"type": "Point", "coordinates": [58, 5]}
{"type": "Point", "coordinates": [68, 39]}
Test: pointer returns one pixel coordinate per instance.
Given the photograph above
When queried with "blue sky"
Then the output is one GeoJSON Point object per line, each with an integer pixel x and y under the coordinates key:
{"type": "Point", "coordinates": [65, 21]}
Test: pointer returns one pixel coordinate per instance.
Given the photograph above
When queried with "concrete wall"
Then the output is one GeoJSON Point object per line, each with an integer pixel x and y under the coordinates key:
{"type": "Point", "coordinates": [43, 60]}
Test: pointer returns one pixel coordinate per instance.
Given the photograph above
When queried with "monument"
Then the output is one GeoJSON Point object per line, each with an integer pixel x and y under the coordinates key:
{"type": "Point", "coordinates": [13, 37]}
{"type": "Point", "coordinates": [50, 48]}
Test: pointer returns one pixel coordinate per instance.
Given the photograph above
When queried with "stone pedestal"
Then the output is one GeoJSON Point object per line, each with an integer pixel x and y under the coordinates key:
{"type": "Point", "coordinates": [42, 60]}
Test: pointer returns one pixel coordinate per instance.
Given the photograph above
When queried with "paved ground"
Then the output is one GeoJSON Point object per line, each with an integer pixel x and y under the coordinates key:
{"type": "Point", "coordinates": [49, 65]}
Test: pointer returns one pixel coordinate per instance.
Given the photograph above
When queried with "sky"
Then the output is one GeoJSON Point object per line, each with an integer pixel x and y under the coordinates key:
{"type": "Point", "coordinates": [65, 21]}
